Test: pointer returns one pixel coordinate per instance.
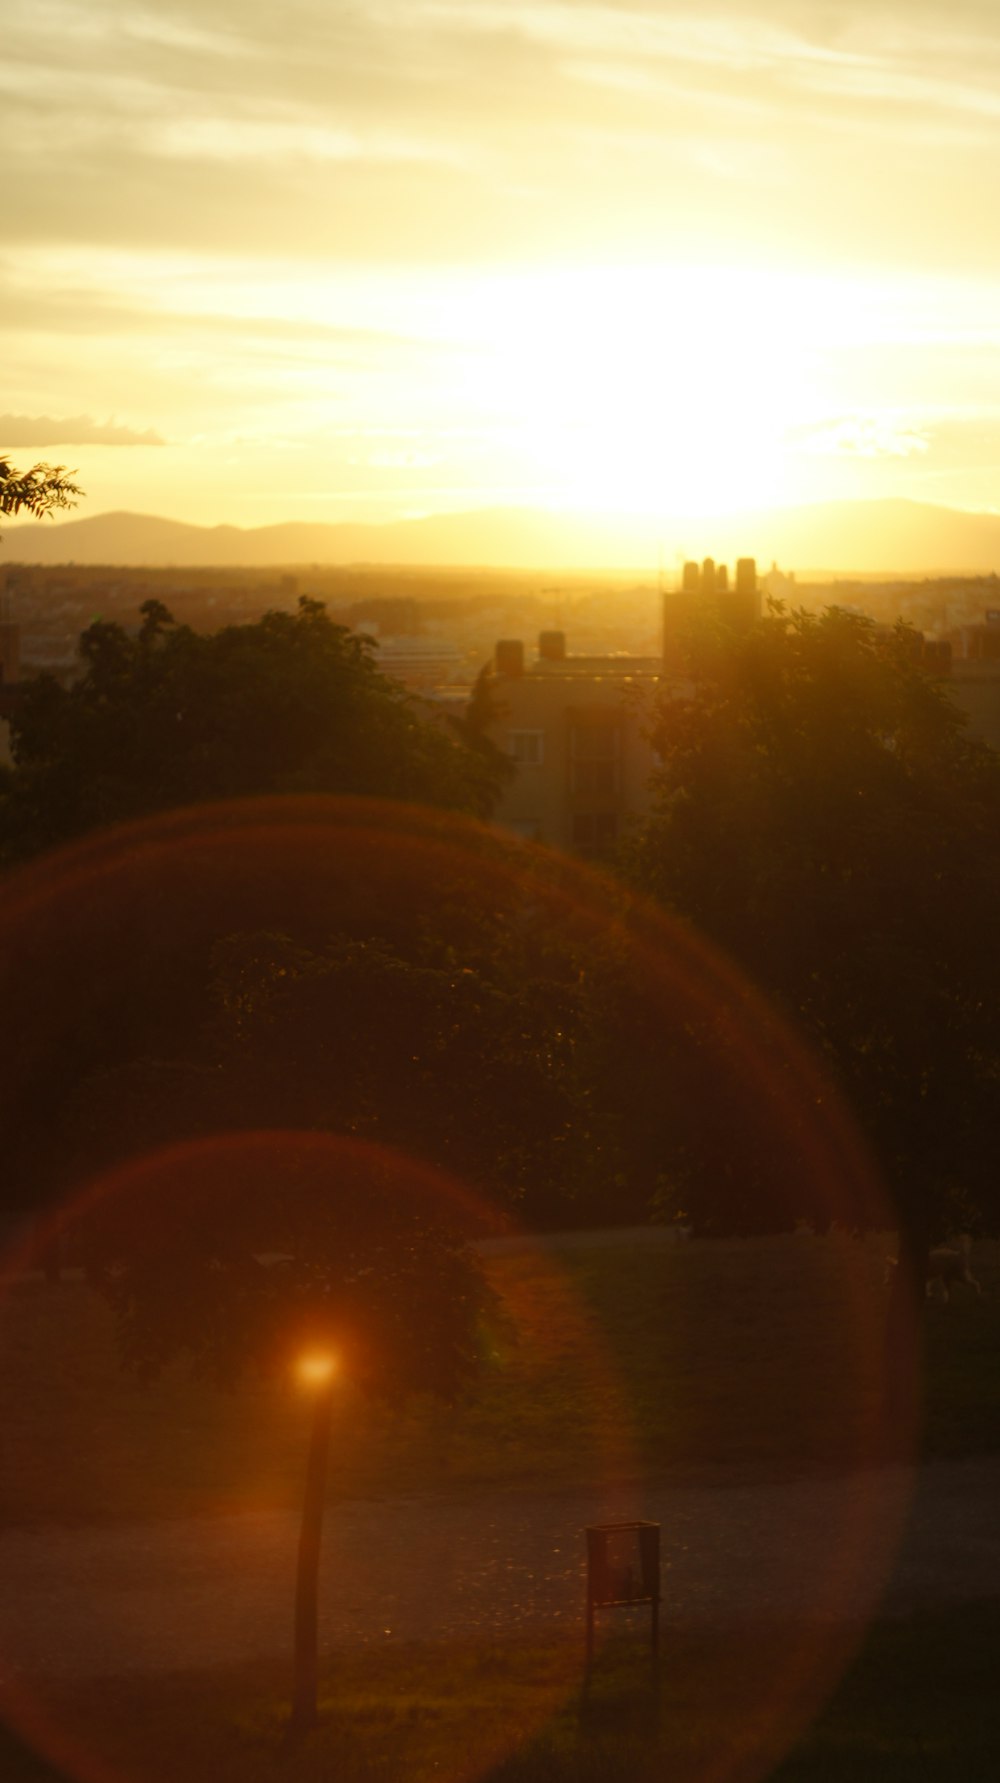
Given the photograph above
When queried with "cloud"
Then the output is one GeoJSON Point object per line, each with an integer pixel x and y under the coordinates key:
{"type": "Point", "coordinates": [264, 140]}
{"type": "Point", "coordinates": [410, 131]}
{"type": "Point", "coordinates": [78, 430]}
{"type": "Point", "coordinates": [866, 436]}
{"type": "Point", "coordinates": [52, 302]}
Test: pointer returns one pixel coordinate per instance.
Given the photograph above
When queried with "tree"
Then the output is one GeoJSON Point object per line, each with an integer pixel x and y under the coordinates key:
{"type": "Point", "coordinates": [378, 970]}
{"type": "Point", "coordinates": [467, 1068]}
{"type": "Point", "coordinates": [293, 1252]}
{"type": "Point", "coordinates": [472, 727]}
{"type": "Point", "coordinates": [821, 815]}
{"type": "Point", "coordinates": [290, 704]}
{"type": "Point", "coordinates": [38, 491]}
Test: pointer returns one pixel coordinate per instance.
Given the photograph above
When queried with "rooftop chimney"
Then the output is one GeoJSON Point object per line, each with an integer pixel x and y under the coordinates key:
{"type": "Point", "coordinates": [508, 657]}
{"type": "Point", "coordinates": [552, 646]}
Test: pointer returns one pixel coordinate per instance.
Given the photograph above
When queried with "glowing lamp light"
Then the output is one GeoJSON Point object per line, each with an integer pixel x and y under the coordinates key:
{"type": "Point", "coordinates": [316, 1367]}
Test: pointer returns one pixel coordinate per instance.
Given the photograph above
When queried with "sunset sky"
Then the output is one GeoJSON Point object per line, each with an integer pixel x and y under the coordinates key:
{"type": "Point", "coordinates": [361, 259]}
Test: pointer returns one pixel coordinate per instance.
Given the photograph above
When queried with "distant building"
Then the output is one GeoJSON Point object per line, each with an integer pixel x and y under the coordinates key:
{"type": "Point", "coordinates": [10, 634]}
{"type": "Point", "coordinates": [10, 675]}
{"type": "Point", "coordinates": [974, 682]}
{"type": "Point", "coordinates": [575, 727]}
{"type": "Point", "coordinates": [420, 663]}
{"type": "Point", "coordinates": [705, 588]}
{"type": "Point", "coordinates": [10, 651]}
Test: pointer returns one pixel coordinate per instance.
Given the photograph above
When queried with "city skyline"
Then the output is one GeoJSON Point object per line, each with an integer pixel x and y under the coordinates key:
{"type": "Point", "coordinates": [379, 262]}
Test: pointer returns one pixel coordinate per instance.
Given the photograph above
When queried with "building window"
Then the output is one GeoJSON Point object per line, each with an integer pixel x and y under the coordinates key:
{"type": "Point", "coordinates": [527, 748]}
{"type": "Point", "coordinates": [594, 831]}
{"type": "Point", "coordinates": [595, 759]}
{"type": "Point", "coordinates": [595, 779]}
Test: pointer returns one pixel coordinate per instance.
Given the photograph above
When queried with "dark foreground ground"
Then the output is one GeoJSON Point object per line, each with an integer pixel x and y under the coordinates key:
{"type": "Point", "coordinates": [822, 1618]}
{"type": "Point", "coordinates": [453, 1640]}
{"type": "Point", "coordinates": [198, 1593]}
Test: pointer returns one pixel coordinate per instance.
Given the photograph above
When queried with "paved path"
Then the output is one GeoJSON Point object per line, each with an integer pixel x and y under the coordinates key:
{"type": "Point", "coordinates": [200, 1592]}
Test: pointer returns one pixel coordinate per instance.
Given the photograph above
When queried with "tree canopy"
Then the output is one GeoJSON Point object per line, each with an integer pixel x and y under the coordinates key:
{"type": "Point", "coordinates": [249, 1250]}
{"type": "Point", "coordinates": [469, 1068]}
{"type": "Point", "coordinates": [290, 704]}
{"type": "Point", "coordinates": [820, 813]}
{"type": "Point", "coordinates": [384, 972]}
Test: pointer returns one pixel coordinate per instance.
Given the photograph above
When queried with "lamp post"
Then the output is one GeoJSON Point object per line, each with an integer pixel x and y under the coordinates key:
{"type": "Point", "coordinates": [317, 1370]}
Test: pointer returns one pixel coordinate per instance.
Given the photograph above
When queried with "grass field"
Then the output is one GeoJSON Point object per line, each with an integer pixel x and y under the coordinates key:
{"type": "Point", "coordinates": [706, 1361]}
{"type": "Point", "coordinates": [624, 1356]}
{"type": "Point", "coordinates": [919, 1701]}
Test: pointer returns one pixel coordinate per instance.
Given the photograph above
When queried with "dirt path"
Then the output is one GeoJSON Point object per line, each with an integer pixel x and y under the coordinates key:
{"type": "Point", "coordinates": [202, 1592]}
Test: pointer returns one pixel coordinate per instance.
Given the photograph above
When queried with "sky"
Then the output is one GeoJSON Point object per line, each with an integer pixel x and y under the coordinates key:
{"type": "Point", "coordinates": [370, 259]}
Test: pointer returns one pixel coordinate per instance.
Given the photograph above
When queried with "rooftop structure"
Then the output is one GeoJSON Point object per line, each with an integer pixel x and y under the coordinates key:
{"type": "Point", "coordinates": [706, 588]}
{"type": "Point", "coordinates": [574, 726]}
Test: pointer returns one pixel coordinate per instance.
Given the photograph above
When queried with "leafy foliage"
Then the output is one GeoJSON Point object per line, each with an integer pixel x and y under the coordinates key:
{"type": "Point", "coordinates": [36, 491]}
{"type": "Point", "coordinates": [821, 815]}
{"type": "Point", "coordinates": [472, 1068]}
{"type": "Point", "coordinates": [290, 704]}
{"type": "Point", "coordinates": [246, 1252]}
{"type": "Point", "coordinates": [398, 976]}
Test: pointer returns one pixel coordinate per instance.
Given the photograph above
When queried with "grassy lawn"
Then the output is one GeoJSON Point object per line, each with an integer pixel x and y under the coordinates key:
{"type": "Point", "coordinates": [650, 1360]}
{"type": "Point", "coordinates": [917, 1702]}
{"type": "Point", "coordinates": [920, 1702]}
{"type": "Point", "coordinates": [647, 1360]}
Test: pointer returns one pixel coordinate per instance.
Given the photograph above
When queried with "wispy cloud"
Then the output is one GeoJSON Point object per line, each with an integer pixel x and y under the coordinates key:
{"type": "Point", "coordinates": [77, 430]}
{"type": "Point", "coordinates": [182, 35]}
{"type": "Point", "coordinates": [866, 436]}
{"type": "Point", "coordinates": [283, 139]}
{"type": "Point", "coordinates": [460, 128]}
{"type": "Point", "coordinates": [877, 82]}
{"type": "Point", "coordinates": [56, 306]}
{"type": "Point", "coordinates": [724, 37]}
{"type": "Point", "coordinates": [257, 221]}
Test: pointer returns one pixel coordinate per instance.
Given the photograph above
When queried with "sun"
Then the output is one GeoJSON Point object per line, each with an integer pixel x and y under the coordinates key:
{"type": "Point", "coordinates": [648, 392]}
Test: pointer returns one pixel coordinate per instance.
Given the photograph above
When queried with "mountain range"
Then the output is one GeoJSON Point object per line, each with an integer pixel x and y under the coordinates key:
{"type": "Point", "coordinates": [871, 537]}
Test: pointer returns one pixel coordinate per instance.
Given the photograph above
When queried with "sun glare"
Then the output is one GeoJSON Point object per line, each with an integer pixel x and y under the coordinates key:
{"type": "Point", "coordinates": [648, 391]}
{"type": "Point", "coordinates": [670, 391]}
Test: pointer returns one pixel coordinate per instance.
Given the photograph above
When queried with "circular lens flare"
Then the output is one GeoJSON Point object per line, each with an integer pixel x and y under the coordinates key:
{"type": "Point", "coordinates": [105, 932]}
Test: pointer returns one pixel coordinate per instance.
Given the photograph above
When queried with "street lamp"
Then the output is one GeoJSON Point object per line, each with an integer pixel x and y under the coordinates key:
{"type": "Point", "coordinates": [317, 1371]}
{"type": "Point", "coordinates": [316, 1367]}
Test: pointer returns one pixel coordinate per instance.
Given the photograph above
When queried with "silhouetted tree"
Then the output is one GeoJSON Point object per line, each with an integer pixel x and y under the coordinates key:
{"type": "Point", "coordinates": [36, 491]}
{"type": "Point", "coordinates": [290, 704]}
{"type": "Point", "coordinates": [473, 727]}
{"type": "Point", "coordinates": [472, 1068]}
{"type": "Point", "coordinates": [821, 814]}
{"type": "Point", "coordinates": [360, 968]}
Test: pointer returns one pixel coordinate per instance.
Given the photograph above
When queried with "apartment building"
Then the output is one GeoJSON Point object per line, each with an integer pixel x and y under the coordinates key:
{"type": "Point", "coordinates": [575, 727]}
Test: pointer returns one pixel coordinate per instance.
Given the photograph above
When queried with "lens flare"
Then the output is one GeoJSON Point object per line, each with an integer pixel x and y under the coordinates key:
{"type": "Point", "coordinates": [115, 935]}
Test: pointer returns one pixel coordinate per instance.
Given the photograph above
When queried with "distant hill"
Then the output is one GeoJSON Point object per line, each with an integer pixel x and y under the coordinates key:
{"type": "Point", "coordinates": [880, 537]}
{"type": "Point", "coordinates": [501, 537]}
